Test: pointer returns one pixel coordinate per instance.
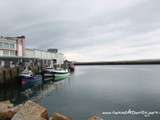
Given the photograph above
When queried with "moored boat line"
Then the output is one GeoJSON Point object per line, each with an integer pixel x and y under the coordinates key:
{"type": "Point", "coordinates": [28, 79]}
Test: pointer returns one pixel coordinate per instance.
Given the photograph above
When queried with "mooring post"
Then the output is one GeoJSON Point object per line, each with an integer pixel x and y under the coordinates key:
{"type": "Point", "coordinates": [41, 67]}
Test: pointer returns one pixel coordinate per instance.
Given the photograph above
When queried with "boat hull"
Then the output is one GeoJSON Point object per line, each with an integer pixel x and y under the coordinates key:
{"type": "Point", "coordinates": [55, 75]}
{"type": "Point", "coordinates": [61, 76]}
{"type": "Point", "coordinates": [30, 81]}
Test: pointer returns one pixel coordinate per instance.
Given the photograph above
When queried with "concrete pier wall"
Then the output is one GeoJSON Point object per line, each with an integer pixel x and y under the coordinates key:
{"type": "Point", "coordinates": [10, 68]}
{"type": "Point", "coordinates": [10, 75]}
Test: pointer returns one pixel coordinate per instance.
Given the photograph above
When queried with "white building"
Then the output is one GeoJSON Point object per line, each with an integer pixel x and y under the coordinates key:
{"type": "Point", "coordinates": [40, 54]}
{"type": "Point", "coordinates": [12, 46]}
{"type": "Point", "coordinates": [15, 47]}
{"type": "Point", "coordinates": [29, 53]}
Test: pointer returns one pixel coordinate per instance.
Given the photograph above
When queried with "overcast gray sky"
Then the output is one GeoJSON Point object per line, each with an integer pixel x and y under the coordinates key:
{"type": "Point", "coordinates": [86, 30]}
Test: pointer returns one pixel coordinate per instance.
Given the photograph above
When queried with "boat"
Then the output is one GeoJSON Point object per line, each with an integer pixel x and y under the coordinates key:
{"type": "Point", "coordinates": [28, 79]}
{"type": "Point", "coordinates": [58, 77]}
{"type": "Point", "coordinates": [56, 74]}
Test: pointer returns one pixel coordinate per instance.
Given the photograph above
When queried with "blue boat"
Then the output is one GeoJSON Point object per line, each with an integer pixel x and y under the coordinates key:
{"type": "Point", "coordinates": [28, 79]}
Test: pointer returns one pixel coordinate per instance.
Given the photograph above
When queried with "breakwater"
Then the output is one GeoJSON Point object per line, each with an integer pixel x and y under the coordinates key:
{"type": "Point", "coordinates": [30, 111]}
{"type": "Point", "coordinates": [127, 62]}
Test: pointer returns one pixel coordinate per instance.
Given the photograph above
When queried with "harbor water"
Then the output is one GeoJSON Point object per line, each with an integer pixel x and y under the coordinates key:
{"type": "Point", "coordinates": [93, 90]}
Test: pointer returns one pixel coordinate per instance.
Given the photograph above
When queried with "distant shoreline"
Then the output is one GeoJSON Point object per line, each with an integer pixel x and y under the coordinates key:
{"type": "Point", "coordinates": [136, 62]}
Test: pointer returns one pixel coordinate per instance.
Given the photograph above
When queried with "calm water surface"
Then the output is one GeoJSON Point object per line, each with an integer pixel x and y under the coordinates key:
{"type": "Point", "coordinates": [92, 90]}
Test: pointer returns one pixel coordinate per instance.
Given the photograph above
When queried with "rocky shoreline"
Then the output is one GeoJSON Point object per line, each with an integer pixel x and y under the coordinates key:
{"type": "Point", "coordinates": [30, 111]}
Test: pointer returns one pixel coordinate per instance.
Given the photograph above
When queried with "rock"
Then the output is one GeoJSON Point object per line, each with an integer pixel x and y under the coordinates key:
{"type": "Point", "coordinates": [58, 116]}
{"type": "Point", "coordinates": [6, 110]}
{"type": "Point", "coordinates": [95, 118]}
{"type": "Point", "coordinates": [17, 108]}
{"type": "Point", "coordinates": [31, 111]}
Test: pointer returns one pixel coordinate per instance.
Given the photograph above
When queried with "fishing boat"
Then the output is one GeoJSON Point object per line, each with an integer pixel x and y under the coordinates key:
{"type": "Point", "coordinates": [56, 73]}
{"type": "Point", "coordinates": [28, 79]}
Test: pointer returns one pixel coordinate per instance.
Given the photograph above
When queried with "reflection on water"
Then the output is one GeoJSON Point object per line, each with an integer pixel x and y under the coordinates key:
{"type": "Point", "coordinates": [17, 94]}
{"type": "Point", "coordinates": [9, 93]}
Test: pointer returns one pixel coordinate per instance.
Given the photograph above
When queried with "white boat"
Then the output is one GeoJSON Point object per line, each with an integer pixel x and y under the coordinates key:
{"type": "Point", "coordinates": [56, 73]}
{"type": "Point", "coordinates": [26, 73]}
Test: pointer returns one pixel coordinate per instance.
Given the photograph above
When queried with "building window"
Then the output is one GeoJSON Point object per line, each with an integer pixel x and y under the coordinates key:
{"type": "Point", "coordinates": [12, 53]}
{"type": "Point", "coordinates": [5, 52]}
{"type": "Point", "coordinates": [1, 45]}
{"type": "Point", "coordinates": [1, 52]}
{"type": "Point", "coordinates": [12, 46]}
{"type": "Point", "coordinates": [6, 45]}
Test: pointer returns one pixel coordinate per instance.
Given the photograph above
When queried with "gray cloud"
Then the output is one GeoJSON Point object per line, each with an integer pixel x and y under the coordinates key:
{"type": "Point", "coordinates": [87, 29]}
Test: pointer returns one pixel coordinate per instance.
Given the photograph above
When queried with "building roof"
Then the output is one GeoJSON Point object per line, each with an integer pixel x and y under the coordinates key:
{"type": "Point", "coordinates": [13, 38]}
